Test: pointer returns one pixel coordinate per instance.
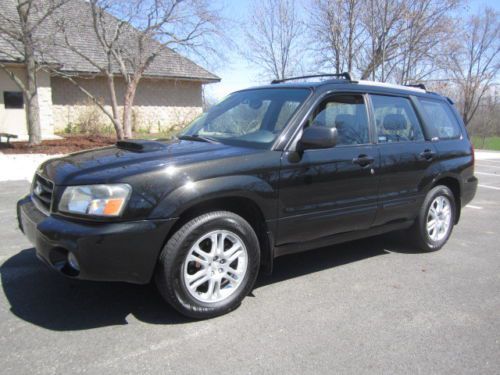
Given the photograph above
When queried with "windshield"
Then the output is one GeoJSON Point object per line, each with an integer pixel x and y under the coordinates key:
{"type": "Point", "coordinates": [251, 118]}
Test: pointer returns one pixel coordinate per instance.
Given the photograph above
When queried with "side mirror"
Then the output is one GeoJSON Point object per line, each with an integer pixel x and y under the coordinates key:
{"type": "Point", "coordinates": [318, 137]}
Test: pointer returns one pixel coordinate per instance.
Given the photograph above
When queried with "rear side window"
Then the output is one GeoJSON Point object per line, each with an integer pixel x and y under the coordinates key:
{"type": "Point", "coordinates": [396, 120]}
{"type": "Point", "coordinates": [441, 119]}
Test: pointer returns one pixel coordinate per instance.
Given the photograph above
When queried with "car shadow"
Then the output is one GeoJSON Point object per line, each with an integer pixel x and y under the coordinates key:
{"type": "Point", "coordinates": [300, 264]}
{"type": "Point", "coordinates": [40, 296]}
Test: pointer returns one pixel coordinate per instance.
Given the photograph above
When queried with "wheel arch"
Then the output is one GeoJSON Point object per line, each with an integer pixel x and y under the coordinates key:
{"type": "Point", "coordinates": [243, 206]}
{"type": "Point", "coordinates": [251, 197]}
{"type": "Point", "coordinates": [452, 183]}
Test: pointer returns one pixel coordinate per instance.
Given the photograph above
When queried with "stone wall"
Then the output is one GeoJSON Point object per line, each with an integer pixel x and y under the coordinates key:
{"type": "Point", "coordinates": [45, 103]}
{"type": "Point", "coordinates": [159, 104]}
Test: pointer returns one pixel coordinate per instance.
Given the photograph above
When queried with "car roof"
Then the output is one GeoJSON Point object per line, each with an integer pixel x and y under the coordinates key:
{"type": "Point", "coordinates": [362, 85]}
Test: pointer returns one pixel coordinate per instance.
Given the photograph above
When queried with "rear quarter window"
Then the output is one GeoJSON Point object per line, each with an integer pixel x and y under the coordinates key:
{"type": "Point", "coordinates": [441, 119]}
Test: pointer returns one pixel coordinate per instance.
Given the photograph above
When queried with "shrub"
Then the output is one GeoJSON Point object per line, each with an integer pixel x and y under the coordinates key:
{"type": "Point", "coordinates": [89, 120]}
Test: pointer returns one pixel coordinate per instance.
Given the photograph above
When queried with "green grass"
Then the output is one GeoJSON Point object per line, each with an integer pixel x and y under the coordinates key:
{"type": "Point", "coordinates": [490, 143]}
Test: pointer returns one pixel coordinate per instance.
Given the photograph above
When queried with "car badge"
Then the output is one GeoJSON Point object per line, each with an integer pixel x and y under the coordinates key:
{"type": "Point", "coordinates": [38, 189]}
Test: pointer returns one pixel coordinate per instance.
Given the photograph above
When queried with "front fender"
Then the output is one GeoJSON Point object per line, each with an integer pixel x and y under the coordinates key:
{"type": "Point", "coordinates": [192, 193]}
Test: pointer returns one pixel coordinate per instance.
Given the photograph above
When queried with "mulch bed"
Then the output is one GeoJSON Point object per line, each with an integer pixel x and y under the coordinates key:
{"type": "Point", "coordinates": [70, 143]}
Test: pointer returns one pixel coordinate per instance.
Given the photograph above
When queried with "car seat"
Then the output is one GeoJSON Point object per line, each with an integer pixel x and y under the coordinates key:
{"type": "Point", "coordinates": [394, 124]}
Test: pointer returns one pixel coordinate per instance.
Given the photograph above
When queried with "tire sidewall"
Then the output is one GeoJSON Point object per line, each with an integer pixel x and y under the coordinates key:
{"type": "Point", "coordinates": [183, 300]}
{"type": "Point", "coordinates": [437, 191]}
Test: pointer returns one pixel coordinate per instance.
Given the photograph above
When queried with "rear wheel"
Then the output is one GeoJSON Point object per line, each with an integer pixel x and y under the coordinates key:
{"type": "Point", "coordinates": [209, 265]}
{"type": "Point", "coordinates": [436, 218]}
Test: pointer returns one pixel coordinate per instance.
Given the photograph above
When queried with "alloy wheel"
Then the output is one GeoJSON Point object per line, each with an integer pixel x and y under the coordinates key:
{"type": "Point", "coordinates": [215, 266]}
{"type": "Point", "coordinates": [439, 218]}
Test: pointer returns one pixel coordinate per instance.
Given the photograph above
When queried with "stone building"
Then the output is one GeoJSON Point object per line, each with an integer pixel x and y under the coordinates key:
{"type": "Point", "coordinates": [170, 92]}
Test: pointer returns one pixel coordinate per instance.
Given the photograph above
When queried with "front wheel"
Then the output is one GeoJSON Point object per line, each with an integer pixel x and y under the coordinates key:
{"type": "Point", "coordinates": [436, 218]}
{"type": "Point", "coordinates": [209, 265]}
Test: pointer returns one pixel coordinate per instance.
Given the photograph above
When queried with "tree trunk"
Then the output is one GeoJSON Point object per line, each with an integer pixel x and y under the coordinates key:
{"type": "Point", "coordinates": [128, 103]}
{"type": "Point", "coordinates": [33, 119]}
{"type": "Point", "coordinates": [127, 121]}
{"type": "Point", "coordinates": [114, 108]}
{"type": "Point", "coordinates": [31, 95]}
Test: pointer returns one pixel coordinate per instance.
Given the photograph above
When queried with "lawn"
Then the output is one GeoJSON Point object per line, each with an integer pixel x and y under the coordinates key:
{"type": "Point", "coordinates": [490, 143]}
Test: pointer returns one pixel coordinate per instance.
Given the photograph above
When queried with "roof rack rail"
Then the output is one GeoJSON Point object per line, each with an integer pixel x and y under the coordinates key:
{"type": "Point", "coordinates": [393, 86]}
{"type": "Point", "coordinates": [418, 86]}
{"type": "Point", "coordinates": [344, 75]}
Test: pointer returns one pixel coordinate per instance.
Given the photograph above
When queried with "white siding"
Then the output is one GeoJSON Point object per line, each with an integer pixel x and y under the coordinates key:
{"type": "Point", "coordinates": [13, 121]}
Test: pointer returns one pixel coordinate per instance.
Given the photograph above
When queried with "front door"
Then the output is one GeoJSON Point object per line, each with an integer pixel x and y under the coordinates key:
{"type": "Point", "coordinates": [330, 191]}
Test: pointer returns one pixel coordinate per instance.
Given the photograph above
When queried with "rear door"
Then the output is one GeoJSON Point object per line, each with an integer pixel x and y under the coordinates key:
{"type": "Point", "coordinates": [330, 191]}
{"type": "Point", "coordinates": [406, 158]}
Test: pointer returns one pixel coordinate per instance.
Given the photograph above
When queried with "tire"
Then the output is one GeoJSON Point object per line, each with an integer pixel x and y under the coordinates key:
{"type": "Point", "coordinates": [421, 231]}
{"type": "Point", "coordinates": [193, 254]}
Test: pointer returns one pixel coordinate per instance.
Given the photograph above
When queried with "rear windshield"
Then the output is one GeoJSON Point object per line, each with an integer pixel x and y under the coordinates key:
{"type": "Point", "coordinates": [441, 119]}
{"type": "Point", "coordinates": [250, 118]}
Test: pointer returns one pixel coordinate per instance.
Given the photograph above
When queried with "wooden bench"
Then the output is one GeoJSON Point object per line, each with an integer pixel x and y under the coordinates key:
{"type": "Point", "coordinates": [8, 136]}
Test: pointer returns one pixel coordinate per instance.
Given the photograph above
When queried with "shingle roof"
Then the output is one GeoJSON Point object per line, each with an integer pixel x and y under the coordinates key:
{"type": "Point", "coordinates": [168, 64]}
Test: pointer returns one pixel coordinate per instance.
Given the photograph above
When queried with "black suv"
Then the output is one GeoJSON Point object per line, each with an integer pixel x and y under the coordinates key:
{"type": "Point", "coordinates": [268, 171]}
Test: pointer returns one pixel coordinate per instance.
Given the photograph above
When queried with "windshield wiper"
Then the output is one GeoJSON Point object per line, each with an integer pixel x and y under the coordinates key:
{"type": "Point", "coordinates": [197, 137]}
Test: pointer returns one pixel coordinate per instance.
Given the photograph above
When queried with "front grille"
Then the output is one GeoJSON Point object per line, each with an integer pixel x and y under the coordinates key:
{"type": "Point", "coordinates": [43, 190]}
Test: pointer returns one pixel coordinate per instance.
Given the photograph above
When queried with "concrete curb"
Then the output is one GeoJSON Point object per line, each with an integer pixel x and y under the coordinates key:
{"type": "Point", "coordinates": [21, 166]}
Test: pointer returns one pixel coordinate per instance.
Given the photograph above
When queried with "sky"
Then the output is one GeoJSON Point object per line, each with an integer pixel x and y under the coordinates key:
{"type": "Point", "coordinates": [237, 74]}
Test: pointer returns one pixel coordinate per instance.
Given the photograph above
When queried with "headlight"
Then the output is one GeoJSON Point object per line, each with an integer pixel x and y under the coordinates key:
{"type": "Point", "coordinates": [97, 200]}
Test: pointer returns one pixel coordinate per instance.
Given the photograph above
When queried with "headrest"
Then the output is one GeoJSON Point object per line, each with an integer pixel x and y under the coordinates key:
{"type": "Point", "coordinates": [394, 122]}
{"type": "Point", "coordinates": [344, 120]}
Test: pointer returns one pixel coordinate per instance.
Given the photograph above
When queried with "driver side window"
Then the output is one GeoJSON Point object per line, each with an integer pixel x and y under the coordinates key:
{"type": "Point", "coordinates": [348, 114]}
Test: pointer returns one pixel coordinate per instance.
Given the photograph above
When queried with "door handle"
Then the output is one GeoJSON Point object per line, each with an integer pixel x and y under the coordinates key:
{"type": "Point", "coordinates": [363, 160]}
{"type": "Point", "coordinates": [427, 154]}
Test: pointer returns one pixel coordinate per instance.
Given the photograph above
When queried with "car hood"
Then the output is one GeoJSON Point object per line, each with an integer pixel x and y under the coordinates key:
{"type": "Point", "coordinates": [113, 163]}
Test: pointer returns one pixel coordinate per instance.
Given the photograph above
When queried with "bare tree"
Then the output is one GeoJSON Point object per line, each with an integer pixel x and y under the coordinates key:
{"type": "Point", "coordinates": [474, 60]}
{"type": "Point", "coordinates": [406, 37]}
{"type": "Point", "coordinates": [485, 122]}
{"type": "Point", "coordinates": [336, 33]}
{"type": "Point", "coordinates": [20, 24]}
{"type": "Point", "coordinates": [131, 43]}
{"type": "Point", "coordinates": [428, 26]}
{"type": "Point", "coordinates": [273, 37]}
{"type": "Point", "coordinates": [383, 25]}
{"type": "Point", "coordinates": [380, 39]}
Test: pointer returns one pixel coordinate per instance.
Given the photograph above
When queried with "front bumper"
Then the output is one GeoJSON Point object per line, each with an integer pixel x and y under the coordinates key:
{"type": "Point", "coordinates": [126, 251]}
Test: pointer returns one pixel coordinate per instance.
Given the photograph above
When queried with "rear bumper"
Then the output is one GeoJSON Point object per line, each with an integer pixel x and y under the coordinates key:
{"type": "Point", "coordinates": [125, 251]}
{"type": "Point", "coordinates": [469, 189]}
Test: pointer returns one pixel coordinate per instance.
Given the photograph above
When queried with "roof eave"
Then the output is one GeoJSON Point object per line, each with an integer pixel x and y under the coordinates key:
{"type": "Point", "coordinates": [204, 80]}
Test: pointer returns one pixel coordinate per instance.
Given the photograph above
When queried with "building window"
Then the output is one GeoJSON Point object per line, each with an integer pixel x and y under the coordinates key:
{"type": "Point", "coordinates": [13, 99]}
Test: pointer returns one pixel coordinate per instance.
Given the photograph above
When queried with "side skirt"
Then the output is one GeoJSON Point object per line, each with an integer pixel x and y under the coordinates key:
{"type": "Point", "coordinates": [339, 238]}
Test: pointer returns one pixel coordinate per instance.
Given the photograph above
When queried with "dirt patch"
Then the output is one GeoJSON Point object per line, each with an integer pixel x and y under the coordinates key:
{"type": "Point", "coordinates": [66, 145]}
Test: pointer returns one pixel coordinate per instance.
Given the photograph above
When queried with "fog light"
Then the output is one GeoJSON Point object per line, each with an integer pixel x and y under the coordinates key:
{"type": "Point", "coordinates": [73, 262]}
